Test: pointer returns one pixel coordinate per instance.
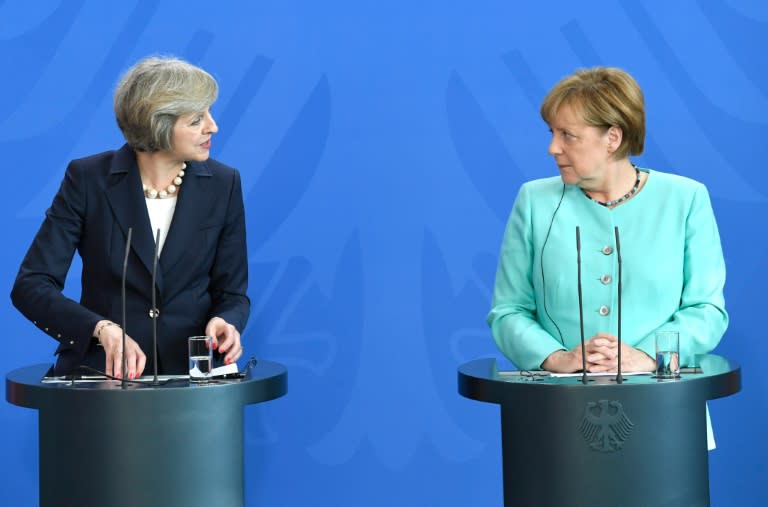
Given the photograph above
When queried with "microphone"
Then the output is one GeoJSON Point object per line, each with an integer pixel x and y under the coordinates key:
{"type": "Point", "coordinates": [581, 308]}
{"type": "Point", "coordinates": [155, 311]}
{"type": "Point", "coordinates": [619, 378]}
{"type": "Point", "coordinates": [122, 297]}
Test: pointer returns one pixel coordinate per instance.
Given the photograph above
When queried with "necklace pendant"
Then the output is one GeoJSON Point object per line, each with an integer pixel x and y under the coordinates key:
{"type": "Point", "coordinates": [170, 190]}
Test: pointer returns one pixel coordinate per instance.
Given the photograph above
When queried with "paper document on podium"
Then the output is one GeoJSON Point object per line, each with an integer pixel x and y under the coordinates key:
{"type": "Point", "coordinates": [227, 369]}
{"type": "Point", "coordinates": [602, 374]}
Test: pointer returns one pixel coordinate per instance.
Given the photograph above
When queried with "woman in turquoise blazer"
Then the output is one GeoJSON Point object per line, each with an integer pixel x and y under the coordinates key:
{"type": "Point", "coordinates": [672, 262]}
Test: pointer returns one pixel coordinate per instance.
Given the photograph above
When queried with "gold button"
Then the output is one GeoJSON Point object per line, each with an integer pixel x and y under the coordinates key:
{"type": "Point", "coordinates": [607, 250]}
{"type": "Point", "coordinates": [604, 310]}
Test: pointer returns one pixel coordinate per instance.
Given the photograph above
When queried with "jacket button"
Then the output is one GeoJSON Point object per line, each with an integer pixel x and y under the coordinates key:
{"type": "Point", "coordinates": [607, 250]}
{"type": "Point", "coordinates": [604, 310]}
{"type": "Point", "coordinates": [71, 342]}
{"type": "Point", "coordinates": [154, 313]}
{"type": "Point", "coordinates": [606, 279]}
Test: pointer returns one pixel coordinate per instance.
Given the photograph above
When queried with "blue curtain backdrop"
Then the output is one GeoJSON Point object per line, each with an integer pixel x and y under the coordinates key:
{"type": "Point", "coordinates": [381, 145]}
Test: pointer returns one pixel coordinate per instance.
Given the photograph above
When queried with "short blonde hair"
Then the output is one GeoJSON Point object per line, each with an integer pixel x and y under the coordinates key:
{"type": "Point", "coordinates": [154, 93]}
{"type": "Point", "coordinates": [602, 97]}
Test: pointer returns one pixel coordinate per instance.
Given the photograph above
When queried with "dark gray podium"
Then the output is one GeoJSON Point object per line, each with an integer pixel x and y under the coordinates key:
{"type": "Point", "coordinates": [636, 444]}
{"type": "Point", "coordinates": [171, 445]}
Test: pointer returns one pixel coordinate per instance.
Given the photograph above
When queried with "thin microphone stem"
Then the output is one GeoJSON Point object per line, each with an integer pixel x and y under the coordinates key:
{"type": "Point", "coordinates": [581, 308]}
{"type": "Point", "coordinates": [619, 378]}
{"type": "Point", "coordinates": [154, 306]}
{"type": "Point", "coordinates": [122, 297]}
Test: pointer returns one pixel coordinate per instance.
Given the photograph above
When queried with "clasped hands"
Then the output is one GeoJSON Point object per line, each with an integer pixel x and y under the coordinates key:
{"type": "Point", "coordinates": [602, 352]}
{"type": "Point", "coordinates": [226, 339]}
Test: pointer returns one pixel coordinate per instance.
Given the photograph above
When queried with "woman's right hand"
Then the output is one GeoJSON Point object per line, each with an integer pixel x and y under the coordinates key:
{"type": "Point", "coordinates": [563, 361]}
{"type": "Point", "coordinates": [110, 336]}
{"type": "Point", "coordinates": [570, 361]}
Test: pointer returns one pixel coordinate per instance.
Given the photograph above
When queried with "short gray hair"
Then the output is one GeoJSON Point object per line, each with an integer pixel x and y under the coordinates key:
{"type": "Point", "coordinates": [154, 93]}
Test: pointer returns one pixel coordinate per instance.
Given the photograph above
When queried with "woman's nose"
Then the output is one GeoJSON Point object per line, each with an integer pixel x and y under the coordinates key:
{"type": "Point", "coordinates": [211, 124]}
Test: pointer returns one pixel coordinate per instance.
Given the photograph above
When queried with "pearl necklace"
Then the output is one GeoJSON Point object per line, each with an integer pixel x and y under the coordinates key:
{"type": "Point", "coordinates": [170, 190]}
{"type": "Point", "coordinates": [615, 202]}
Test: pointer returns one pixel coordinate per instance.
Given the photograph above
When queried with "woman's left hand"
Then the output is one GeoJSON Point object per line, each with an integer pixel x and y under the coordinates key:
{"type": "Point", "coordinates": [602, 355]}
{"type": "Point", "coordinates": [226, 339]}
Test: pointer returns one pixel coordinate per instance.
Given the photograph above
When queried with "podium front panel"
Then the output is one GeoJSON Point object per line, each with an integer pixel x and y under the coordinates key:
{"type": "Point", "coordinates": [170, 444]}
{"type": "Point", "coordinates": [638, 443]}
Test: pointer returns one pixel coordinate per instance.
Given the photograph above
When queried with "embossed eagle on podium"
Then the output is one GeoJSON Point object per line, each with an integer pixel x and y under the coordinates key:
{"type": "Point", "coordinates": [605, 426]}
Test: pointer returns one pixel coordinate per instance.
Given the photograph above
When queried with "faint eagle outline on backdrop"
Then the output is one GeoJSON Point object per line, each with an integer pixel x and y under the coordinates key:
{"type": "Point", "coordinates": [30, 55]}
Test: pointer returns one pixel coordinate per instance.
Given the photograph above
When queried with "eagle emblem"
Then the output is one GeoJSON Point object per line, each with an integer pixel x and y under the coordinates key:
{"type": "Point", "coordinates": [605, 426]}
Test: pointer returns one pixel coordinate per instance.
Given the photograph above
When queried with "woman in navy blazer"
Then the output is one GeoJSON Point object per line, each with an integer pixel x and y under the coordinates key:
{"type": "Point", "coordinates": [162, 180]}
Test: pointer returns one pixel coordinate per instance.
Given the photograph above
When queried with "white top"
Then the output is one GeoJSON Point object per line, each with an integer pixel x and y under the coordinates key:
{"type": "Point", "coordinates": [160, 217]}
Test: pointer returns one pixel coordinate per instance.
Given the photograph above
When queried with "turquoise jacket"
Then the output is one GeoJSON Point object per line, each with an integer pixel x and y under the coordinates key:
{"type": "Point", "coordinates": [673, 270]}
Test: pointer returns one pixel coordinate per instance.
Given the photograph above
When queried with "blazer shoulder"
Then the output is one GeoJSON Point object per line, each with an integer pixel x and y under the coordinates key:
{"type": "Point", "coordinates": [217, 168]}
{"type": "Point", "coordinates": [96, 158]}
{"type": "Point", "coordinates": [100, 165]}
{"type": "Point", "coordinates": [541, 192]}
{"type": "Point", "coordinates": [677, 182]}
{"type": "Point", "coordinates": [219, 174]}
{"type": "Point", "coordinates": [670, 188]}
{"type": "Point", "coordinates": [544, 186]}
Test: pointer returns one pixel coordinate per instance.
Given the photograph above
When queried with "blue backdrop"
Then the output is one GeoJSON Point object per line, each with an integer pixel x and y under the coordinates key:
{"type": "Point", "coordinates": [381, 145]}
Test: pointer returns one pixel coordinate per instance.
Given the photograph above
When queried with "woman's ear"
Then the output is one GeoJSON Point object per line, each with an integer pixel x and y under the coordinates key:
{"type": "Point", "coordinates": [615, 135]}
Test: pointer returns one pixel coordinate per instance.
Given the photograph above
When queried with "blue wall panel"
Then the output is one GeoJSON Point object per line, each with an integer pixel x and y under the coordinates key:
{"type": "Point", "coordinates": [381, 146]}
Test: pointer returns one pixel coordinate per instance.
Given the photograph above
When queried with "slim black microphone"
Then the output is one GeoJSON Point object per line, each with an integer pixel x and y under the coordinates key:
{"type": "Point", "coordinates": [122, 297]}
{"type": "Point", "coordinates": [619, 378]}
{"type": "Point", "coordinates": [155, 312]}
{"type": "Point", "coordinates": [581, 309]}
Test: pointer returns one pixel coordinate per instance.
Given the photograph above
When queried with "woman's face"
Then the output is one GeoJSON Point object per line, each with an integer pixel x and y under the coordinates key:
{"type": "Point", "coordinates": [581, 151]}
{"type": "Point", "coordinates": [192, 136]}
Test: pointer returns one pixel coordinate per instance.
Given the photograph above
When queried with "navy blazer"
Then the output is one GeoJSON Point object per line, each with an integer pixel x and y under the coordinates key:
{"type": "Point", "coordinates": [202, 271]}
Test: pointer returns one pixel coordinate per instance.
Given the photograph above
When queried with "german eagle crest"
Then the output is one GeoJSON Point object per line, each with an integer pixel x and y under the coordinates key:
{"type": "Point", "coordinates": [605, 426]}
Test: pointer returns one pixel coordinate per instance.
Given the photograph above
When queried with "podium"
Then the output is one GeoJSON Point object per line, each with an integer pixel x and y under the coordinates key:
{"type": "Point", "coordinates": [639, 443]}
{"type": "Point", "coordinates": [174, 444]}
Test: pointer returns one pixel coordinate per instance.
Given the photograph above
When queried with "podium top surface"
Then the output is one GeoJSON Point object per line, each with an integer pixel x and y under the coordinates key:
{"type": "Point", "coordinates": [26, 387]}
{"type": "Point", "coordinates": [712, 377]}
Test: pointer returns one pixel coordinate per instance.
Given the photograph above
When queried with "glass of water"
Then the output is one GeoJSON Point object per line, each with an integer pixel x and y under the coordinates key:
{"type": "Point", "coordinates": [200, 358]}
{"type": "Point", "coordinates": [667, 354]}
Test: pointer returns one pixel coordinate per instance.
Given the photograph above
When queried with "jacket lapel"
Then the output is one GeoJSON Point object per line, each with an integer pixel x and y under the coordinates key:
{"type": "Point", "coordinates": [191, 209]}
{"type": "Point", "coordinates": [130, 210]}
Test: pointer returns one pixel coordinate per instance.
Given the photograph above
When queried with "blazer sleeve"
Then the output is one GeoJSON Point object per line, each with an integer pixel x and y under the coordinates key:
{"type": "Point", "coordinates": [229, 273]}
{"type": "Point", "coordinates": [512, 318]}
{"type": "Point", "coordinates": [37, 291]}
{"type": "Point", "coordinates": [701, 319]}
